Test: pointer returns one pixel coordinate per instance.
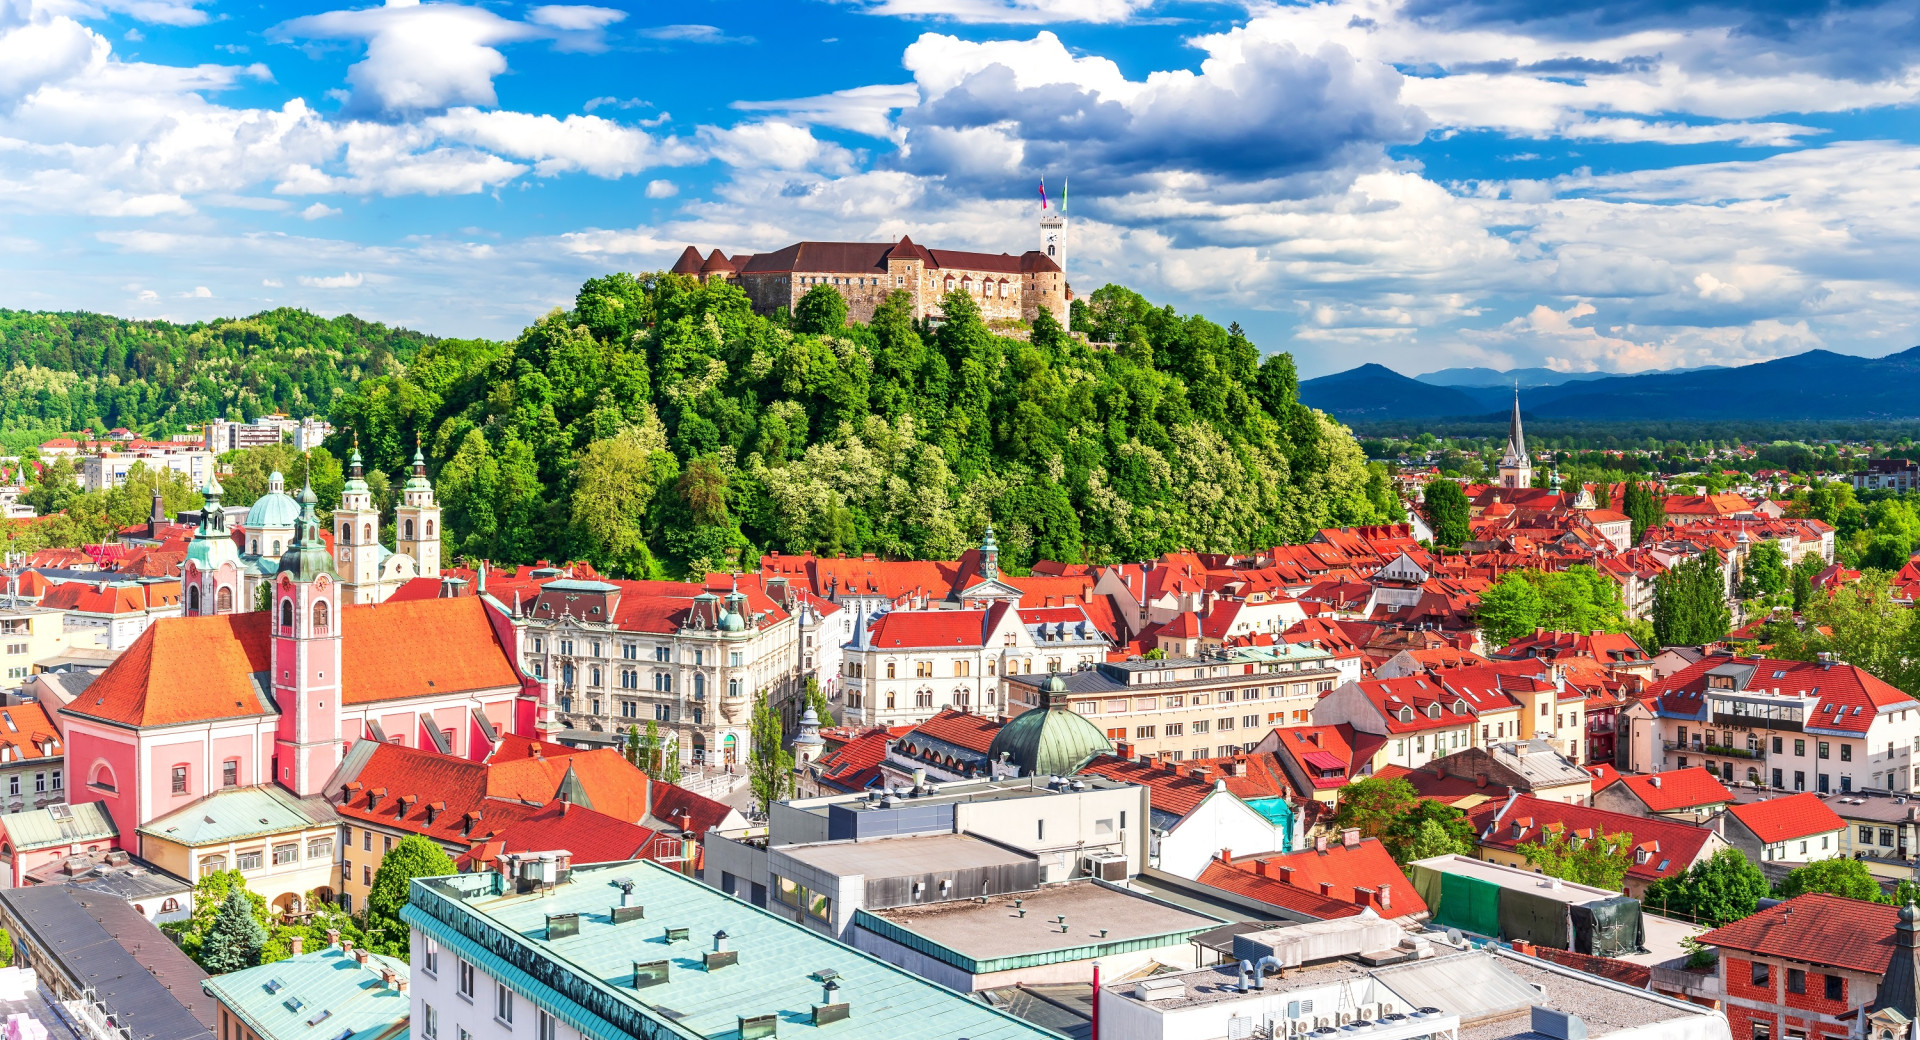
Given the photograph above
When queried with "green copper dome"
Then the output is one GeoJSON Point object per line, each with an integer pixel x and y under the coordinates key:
{"type": "Point", "coordinates": [276, 508]}
{"type": "Point", "coordinates": [1053, 740]}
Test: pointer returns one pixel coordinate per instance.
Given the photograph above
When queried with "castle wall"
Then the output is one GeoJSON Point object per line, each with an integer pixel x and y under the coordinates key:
{"type": "Point", "coordinates": [1000, 295]}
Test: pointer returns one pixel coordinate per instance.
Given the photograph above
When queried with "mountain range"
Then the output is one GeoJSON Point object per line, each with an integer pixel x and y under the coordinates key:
{"type": "Point", "coordinates": [1814, 386]}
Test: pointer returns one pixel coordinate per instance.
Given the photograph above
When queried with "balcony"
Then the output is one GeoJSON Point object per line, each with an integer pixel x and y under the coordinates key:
{"type": "Point", "coordinates": [1732, 720]}
{"type": "Point", "coordinates": [1702, 748]}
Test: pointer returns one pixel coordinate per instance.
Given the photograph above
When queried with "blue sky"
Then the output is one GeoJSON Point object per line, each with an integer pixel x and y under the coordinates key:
{"type": "Point", "coordinates": [1623, 185]}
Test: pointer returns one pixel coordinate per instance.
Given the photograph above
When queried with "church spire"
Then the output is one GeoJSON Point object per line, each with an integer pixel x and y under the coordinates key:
{"type": "Point", "coordinates": [1516, 438]}
{"type": "Point", "coordinates": [1516, 469]}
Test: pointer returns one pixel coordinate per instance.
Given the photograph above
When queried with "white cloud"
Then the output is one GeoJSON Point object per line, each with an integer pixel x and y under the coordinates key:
{"type": "Point", "coordinates": [864, 110]}
{"type": "Point", "coordinates": [198, 292]}
{"type": "Point", "coordinates": [773, 144]}
{"type": "Point", "coordinates": [319, 210]}
{"type": "Point", "coordinates": [572, 18]}
{"type": "Point", "coordinates": [598, 146]}
{"type": "Point", "coordinates": [1004, 12]}
{"type": "Point", "coordinates": [346, 280]}
{"type": "Point", "coordinates": [662, 189]}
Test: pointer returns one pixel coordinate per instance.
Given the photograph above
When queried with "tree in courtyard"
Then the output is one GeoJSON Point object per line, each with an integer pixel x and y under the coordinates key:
{"type": "Point", "coordinates": [1690, 603]}
{"type": "Point", "coordinates": [1724, 887]}
{"type": "Point", "coordinates": [1837, 877]}
{"type": "Point", "coordinates": [1645, 505]}
{"type": "Point", "coordinates": [1447, 512]}
{"type": "Point", "coordinates": [1600, 861]}
{"type": "Point", "coordinates": [1390, 810]}
{"type": "Point", "coordinates": [770, 767]}
{"type": "Point", "coordinates": [236, 938]}
{"type": "Point", "coordinates": [1509, 608]}
{"type": "Point", "coordinates": [413, 856]}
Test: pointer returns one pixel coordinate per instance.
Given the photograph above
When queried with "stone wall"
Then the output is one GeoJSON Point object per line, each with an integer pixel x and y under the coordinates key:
{"type": "Point", "coordinates": [1025, 293]}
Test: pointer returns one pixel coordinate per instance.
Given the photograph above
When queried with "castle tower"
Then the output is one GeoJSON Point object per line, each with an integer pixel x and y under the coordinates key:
{"type": "Point", "coordinates": [210, 579]}
{"type": "Point", "coordinates": [356, 537]}
{"type": "Point", "coordinates": [1516, 469]}
{"type": "Point", "coordinates": [417, 520]}
{"type": "Point", "coordinates": [1053, 231]}
{"type": "Point", "coordinates": [305, 658]}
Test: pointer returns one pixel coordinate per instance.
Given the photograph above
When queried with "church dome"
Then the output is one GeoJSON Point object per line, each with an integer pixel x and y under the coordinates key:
{"type": "Point", "coordinates": [1053, 740]}
{"type": "Point", "coordinates": [276, 508]}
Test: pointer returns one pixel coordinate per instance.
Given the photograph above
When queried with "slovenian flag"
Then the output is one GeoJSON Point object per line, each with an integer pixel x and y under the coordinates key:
{"type": "Point", "coordinates": [1043, 193]}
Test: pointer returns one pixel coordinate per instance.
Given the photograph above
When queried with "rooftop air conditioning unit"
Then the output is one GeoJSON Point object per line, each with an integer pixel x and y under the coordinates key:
{"type": "Point", "coordinates": [1106, 866]}
{"type": "Point", "coordinates": [1159, 989]}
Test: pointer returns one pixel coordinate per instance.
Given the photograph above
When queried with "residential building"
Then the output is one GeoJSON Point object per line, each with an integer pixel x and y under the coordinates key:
{"type": "Point", "coordinates": [107, 965]}
{"type": "Point", "coordinates": [283, 845]}
{"type": "Point", "coordinates": [155, 894]}
{"type": "Point", "coordinates": [1690, 795]}
{"type": "Point", "coordinates": [109, 469]}
{"type": "Point", "coordinates": [1883, 830]}
{"type": "Point", "coordinates": [678, 654]}
{"type": "Point", "coordinates": [1190, 707]}
{"type": "Point", "coordinates": [1887, 475]}
{"type": "Point", "coordinates": [1820, 726]}
{"type": "Point", "coordinates": [110, 615]}
{"type": "Point", "coordinates": [29, 634]}
{"type": "Point", "coordinates": [1661, 848]}
{"type": "Point", "coordinates": [33, 758]}
{"type": "Point", "coordinates": [1421, 719]}
{"type": "Point", "coordinates": [513, 950]}
{"type": "Point", "coordinates": [355, 993]}
{"type": "Point", "coordinates": [1792, 829]}
{"type": "Point", "coordinates": [1808, 967]}
{"type": "Point", "coordinates": [1243, 805]}
{"type": "Point", "coordinates": [1319, 760]}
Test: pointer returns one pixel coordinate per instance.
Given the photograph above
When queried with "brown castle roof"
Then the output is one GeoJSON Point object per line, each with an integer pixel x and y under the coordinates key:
{"type": "Point", "coordinates": [689, 262]}
{"type": "Point", "coordinates": [716, 261]}
{"type": "Point", "coordinates": [871, 258]}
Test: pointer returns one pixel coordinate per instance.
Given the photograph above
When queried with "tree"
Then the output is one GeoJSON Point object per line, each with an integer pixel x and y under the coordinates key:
{"type": "Point", "coordinates": [1801, 578]}
{"type": "Point", "coordinates": [769, 767]}
{"type": "Point", "coordinates": [1645, 505]}
{"type": "Point", "coordinates": [1722, 888]}
{"type": "Point", "coordinates": [1601, 861]}
{"type": "Point", "coordinates": [210, 893]}
{"type": "Point", "coordinates": [670, 762]}
{"type": "Point", "coordinates": [1509, 608]}
{"type": "Point", "coordinates": [1839, 877]}
{"type": "Point", "coordinates": [1447, 512]}
{"type": "Point", "coordinates": [1859, 624]}
{"type": "Point", "coordinates": [631, 750]}
{"type": "Point", "coordinates": [1371, 804]}
{"type": "Point", "coordinates": [1690, 603]}
{"type": "Point", "coordinates": [822, 311]}
{"type": "Point", "coordinates": [236, 937]}
{"type": "Point", "coordinates": [1433, 838]}
{"type": "Point", "coordinates": [1765, 572]}
{"type": "Point", "coordinates": [816, 698]}
{"type": "Point", "coordinates": [6, 947]}
{"type": "Point", "coordinates": [413, 856]}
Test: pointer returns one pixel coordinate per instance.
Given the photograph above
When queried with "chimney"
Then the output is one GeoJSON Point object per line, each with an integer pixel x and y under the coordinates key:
{"type": "Point", "coordinates": [1320, 843]}
{"type": "Point", "coordinates": [1362, 895]}
{"type": "Point", "coordinates": [1523, 947]}
{"type": "Point", "coordinates": [1350, 837]}
{"type": "Point", "coordinates": [400, 984]}
{"type": "Point", "coordinates": [1386, 897]}
{"type": "Point", "coordinates": [1123, 750]}
{"type": "Point", "coordinates": [1285, 874]}
{"type": "Point", "coordinates": [1326, 888]}
{"type": "Point", "coordinates": [1655, 780]}
{"type": "Point", "coordinates": [1226, 856]}
{"type": "Point", "coordinates": [295, 944]}
{"type": "Point", "coordinates": [1200, 773]}
{"type": "Point", "coordinates": [1170, 766]}
{"type": "Point", "coordinates": [346, 947]}
{"type": "Point", "coordinates": [1314, 738]}
{"type": "Point", "coordinates": [333, 937]}
{"type": "Point", "coordinates": [1479, 781]}
{"type": "Point", "coordinates": [1266, 868]}
{"type": "Point", "coordinates": [360, 955]}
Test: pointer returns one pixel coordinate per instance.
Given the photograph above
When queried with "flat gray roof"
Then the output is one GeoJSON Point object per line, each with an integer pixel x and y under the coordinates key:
{"type": "Point", "coordinates": [995, 929]}
{"type": "Point", "coordinates": [1606, 1007]}
{"type": "Point", "coordinates": [956, 792]}
{"type": "Point", "coordinates": [896, 857]}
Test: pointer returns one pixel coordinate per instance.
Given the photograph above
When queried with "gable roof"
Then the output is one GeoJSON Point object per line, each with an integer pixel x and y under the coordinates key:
{"type": "Point", "coordinates": [1340, 881]}
{"type": "Point", "coordinates": [1677, 789]}
{"type": "Point", "coordinates": [855, 766]}
{"type": "Point", "coordinates": [960, 729]}
{"type": "Point", "coordinates": [1784, 819]}
{"type": "Point", "coordinates": [1816, 928]}
{"type": "Point", "coordinates": [1671, 846]}
{"type": "Point", "coordinates": [198, 669]}
{"type": "Point", "coordinates": [1179, 787]}
{"type": "Point", "coordinates": [680, 808]}
{"type": "Point", "coordinates": [592, 837]}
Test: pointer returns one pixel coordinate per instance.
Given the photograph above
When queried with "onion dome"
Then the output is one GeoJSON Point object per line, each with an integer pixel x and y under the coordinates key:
{"type": "Point", "coordinates": [1051, 740]}
{"type": "Point", "coordinates": [276, 508]}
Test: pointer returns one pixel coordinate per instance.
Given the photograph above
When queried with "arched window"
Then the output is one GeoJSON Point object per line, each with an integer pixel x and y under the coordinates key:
{"type": "Point", "coordinates": [253, 547]}
{"type": "Point", "coordinates": [102, 777]}
{"type": "Point", "coordinates": [193, 599]}
{"type": "Point", "coordinates": [223, 600]}
{"type": "Point", "coordinates": [408, 527]}
{"type": "Point", "coordinates": [429, 529]}
{"type": "Point", "coordinates": [171, 906]}
{"type": "Point", "coordinates": [346, 534]}
{"type": "Point", "coordinates": [286, 613]}
{"type": "Point", "coordinates": [276, 546]}
{"type": "Point", "coordinates": [320, 616]}
{"type": "Point", "coordinates": [366, 533]}
{"type": "Point", "coordinates": [699, 685]}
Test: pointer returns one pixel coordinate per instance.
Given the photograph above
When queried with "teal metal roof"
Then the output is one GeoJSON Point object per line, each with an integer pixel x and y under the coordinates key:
{"type": "Point", "coordinates": [273, 509]}
{"type": "Point", "coordinates": [1049, 741]}
{"type": "Point", "coordinates": [281, 1001]}
{"type": "Point", "coordinates": [1276, 809]}
{"type": "Point", "coordinates": [238, 813]}
{"type": "Point", "coordinates": [587, 979]}
{"type": "Point", "coordinates": [58, 825]}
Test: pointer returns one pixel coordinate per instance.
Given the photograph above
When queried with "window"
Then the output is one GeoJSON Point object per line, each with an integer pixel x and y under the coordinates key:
{"type": "Point", "coordinates": [1762, 1030]}
{"type": "Point", "coordinates": [629, 710]}
{"type": "Point", "coordinates": [429, 1018]}
{"type": "Point", "coordinates": [1886, 836]}
{"type": "Point", "coordinates": [1201, 726]}
{"type": "Point", "coordinates": [1777, 743]}
{"type": "Point", "coordinates": [630, 651]}
{"type": "Point", "coordinates": [366, 875]}
{"type": "Point", "coordinates": [1796, 980]}
{"type": "Point", "coordinates": [1224, 724]}
{"type": "Point", "coordinates": [1760, 975]}
{"type": "Point", "coordinates": [1143, 733]}
{"type": "Point", "coordinates": [386, 844]}
{"type": "Point", "coordinates": [1800, 748]}
{"type": "Point", "coordinates": [1866, 835]}
{"type": "Point", "coordinates": [285, 854]}
{"type": "Point", "coordinates": [1250, 721]}
{"type": "Point", "coordinates": [1846, 752]}
{"type": "Point", "coordinates": [1836, 988]}
{"type": "Point", "coordinates": [249, 860]}
{"type": "Point", "coordinates": [230, 773]}
{"type": "Point", "coordinates": [544, 1027]}
{"type": "Point", "coordinates": [179, 779]}
{"type": "Point", "coordinates": [1823, 749]}
{"type": "Point", "coordinates": [320, 848]}
{"type": "Point", "coordinates": [1175, 729]}
{"type": "Point", "coordinates": [366, 841]}
{"type": "Point", "coordinates": [466, 980]}
{"type": "Point", "coordinates": [212, 864]}
{"type": "Point", "coordinates": [502, 1003]}
{"type": "Point", "coordinates": [629, 679]}
{"type": "Point", "coordinates": [13, 785]}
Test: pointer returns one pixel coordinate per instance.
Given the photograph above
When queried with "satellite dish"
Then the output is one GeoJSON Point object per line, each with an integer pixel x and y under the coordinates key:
{"type": "Point", "coordinates": [1453, 936]}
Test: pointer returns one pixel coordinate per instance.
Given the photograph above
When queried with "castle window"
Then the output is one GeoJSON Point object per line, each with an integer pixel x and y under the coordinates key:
{"type": "Point", "coordinates": [346, 534]}
{"type": "Point", "coordinates": [366, 533]}
{"type": "Point", "coordinates": [320, 617]}
{"type": "Point", "coordinates": [429, 529]}
{"type": "Point", "coordinates": [193, 599]}
{"type": "Point", "coordinates": [286, 613]}
{"type": "Point", "coordinates": [223, 600]}
{"type": "Point", "coordinates": [409, 530]}
{"type": "Point", "coordinates": [276, 546]}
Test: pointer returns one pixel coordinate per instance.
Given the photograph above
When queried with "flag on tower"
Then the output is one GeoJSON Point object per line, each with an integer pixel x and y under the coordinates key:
{"type": "Point", "coordinates": [1043, 193]}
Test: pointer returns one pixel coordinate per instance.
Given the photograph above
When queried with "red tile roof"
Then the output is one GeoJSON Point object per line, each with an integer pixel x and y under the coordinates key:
{"type": "Point", "coordinates": [1321, 884]}
{"type": "Point", "coordinates": [592, 837]}
{"type": "Point", "coordinates": [682, 808]}
{"type": "Point", "coordinates": [1671, 846]}
{"type": "Point", "coordinates": [908, 629]}
{"type": "Point", "coordinates": [1678, 789]}
{"type": "Point", "coordinates": [856, 765]}
{"type": "Point", "coordinates": [1784, 819]}
{"type": "Point", "coordinates": [203, 668]}
{"type": "Point", "coordinates": [1816, 928]}
{"type": "Point", "coordinates": [1345, 748]}
{"type": "Point", "coordinates": [959, 728]}
{"type": "Point", "coordinates": [1415, 703]}
{"type": "Point", "coordinates": [1178, 790]}
{"type": "Point", "coordinates": [1639, 976]}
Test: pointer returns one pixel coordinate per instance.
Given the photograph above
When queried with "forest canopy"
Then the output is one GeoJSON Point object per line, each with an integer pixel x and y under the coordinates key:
{"type": "Point", "coordinates": [660, 426]}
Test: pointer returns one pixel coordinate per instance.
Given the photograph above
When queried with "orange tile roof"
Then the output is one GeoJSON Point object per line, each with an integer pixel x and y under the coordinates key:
{"type": "Point", "coordinates": [202, 668]}
{"type": "Point", "coordinates": [1816, 928]}
{"type": "Point", "coordinates": [1324, 884]}
{"type": "Point", "coordinates": [1678, 789]}
{"type": "Point", "coordinates": [1783, 819]}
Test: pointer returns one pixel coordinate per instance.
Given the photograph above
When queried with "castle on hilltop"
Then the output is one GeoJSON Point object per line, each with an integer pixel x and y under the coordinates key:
{"type": "Point", "coordinates": [1004, 286]}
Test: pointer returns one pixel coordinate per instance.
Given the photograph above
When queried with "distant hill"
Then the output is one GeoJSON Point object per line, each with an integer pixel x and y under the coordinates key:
{"type": "Point", "coordinates": [1378, 392]}
{"type": "Point", "coordinates": [1815, 386]}
{"type": "Point", "coordinates": [1527, 377]}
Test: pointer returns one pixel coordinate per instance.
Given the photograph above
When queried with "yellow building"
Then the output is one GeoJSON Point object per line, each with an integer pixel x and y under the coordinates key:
{"type": "Point", "coordinates": [282, 844]}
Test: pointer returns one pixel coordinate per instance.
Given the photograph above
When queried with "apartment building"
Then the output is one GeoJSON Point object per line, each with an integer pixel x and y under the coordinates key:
{"type": "Point", "coordinates": [1178, 708]}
